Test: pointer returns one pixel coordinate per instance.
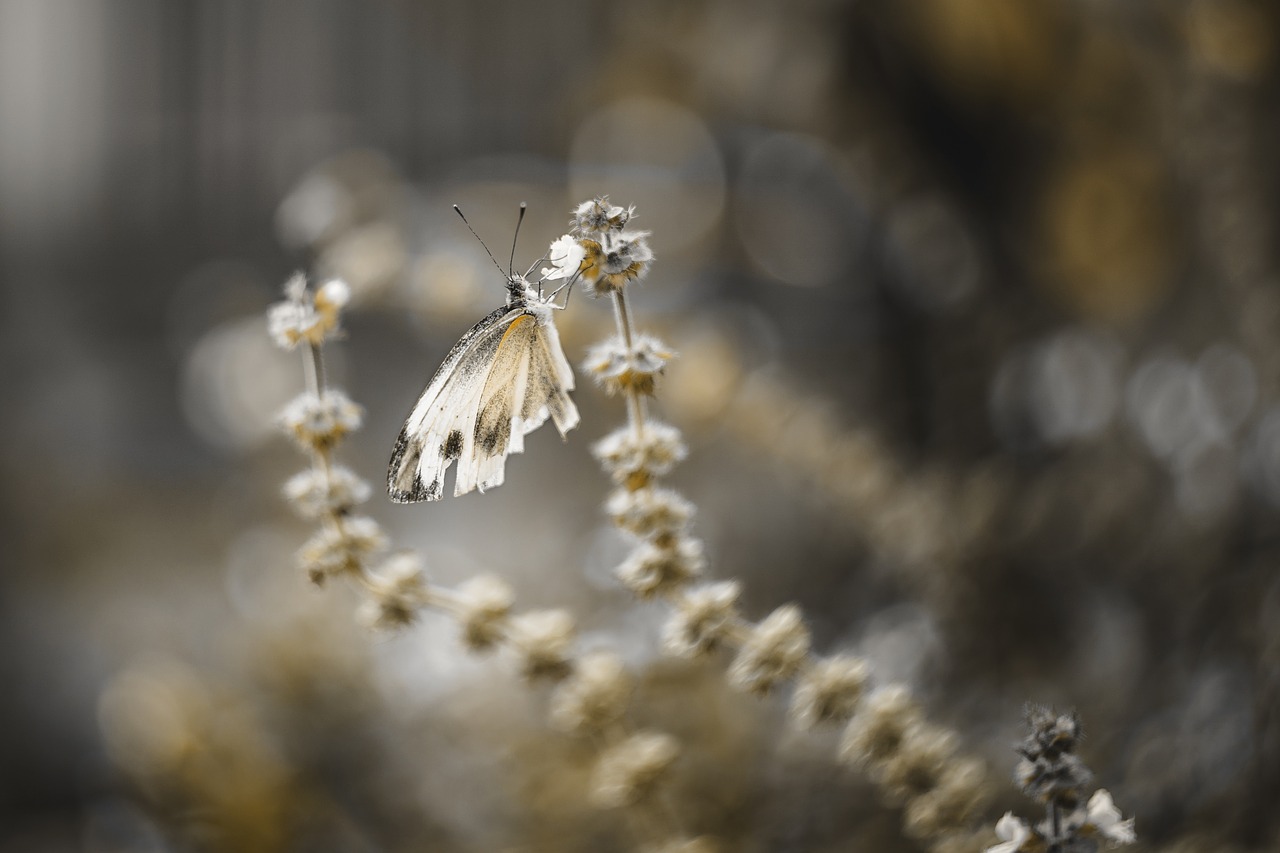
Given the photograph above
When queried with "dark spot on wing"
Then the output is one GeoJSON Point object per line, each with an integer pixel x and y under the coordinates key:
{"type": "Point", "coordinates": [490, 439]}
{"type": "Point", "coordinates": [452, 447]}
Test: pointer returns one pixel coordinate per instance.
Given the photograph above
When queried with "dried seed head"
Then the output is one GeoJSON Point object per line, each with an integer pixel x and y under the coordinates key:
{"type": "Point", "coordinates": [594, 696]}
{"type": "Point", "coordinates": [344, 548]}
{"type": "Point", "coordinates": [702, 618]}
{"type": "Point", "coordinates": [320, 422]}
{"type": "Point", "coordinates": [617, 369]}
{"type": "Point", "coordinates": [649, 513]}
{"type": "Point", "coordinates": [1050, 769]}
{"type": "Point", "coordinates": [876, 732]}
{"type": "Point", "coordinates": [302, 318]}
{"type": "Point", "coordinates": [628, 772]}
{"type": "Point", "coordinates": [660, 568]}
{"type": "Point", "coordinates": [951, 804]}
{"type": "Point", "coordinates": [484, 604]}
{"type": "Point", "coordinates": [598, 215]}
{"type": "Point", "coordinates": [773, 652]}
{"type": "Point", "coordinates": [314, 493]}
{"type": "Point", "coordinates": [829, 691]}
{"type": "Point", "coordinates": [544, 638]}
{"type": "Point", "coordinates": [613, 259]}
{"type": "Point", "coordinates": [398, 592]}
{"type": "Point", "coordinates": [634, 459]}
{"type": "Point", "coordinates": [918, 764]}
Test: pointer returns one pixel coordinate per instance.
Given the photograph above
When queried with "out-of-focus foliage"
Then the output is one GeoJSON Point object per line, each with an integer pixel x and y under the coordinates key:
{"type": "Point", "coordinates": [977, 306]}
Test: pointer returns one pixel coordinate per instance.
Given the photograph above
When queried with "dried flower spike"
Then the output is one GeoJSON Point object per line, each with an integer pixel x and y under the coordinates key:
{"type": "Point", "coordinates": [1051, 773]}
{"type": "Point", "coordinates": [598, 215]}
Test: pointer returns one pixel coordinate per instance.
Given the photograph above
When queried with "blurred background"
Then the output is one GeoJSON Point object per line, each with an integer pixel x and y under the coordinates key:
{"type": "Point", "coordinates": [978, 311]}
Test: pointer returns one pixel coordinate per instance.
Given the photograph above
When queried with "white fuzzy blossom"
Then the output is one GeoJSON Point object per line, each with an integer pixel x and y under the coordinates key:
{"type": "Point", "coordinates": [876, 732]}
{"type": "Point", "coordinates": [629, 771]}
{"type": "Point", "coordinates": [398, 590]}
{"type": "Point", "coordinates": [594, 696]}
{"type": "Point", "coordinates": [617, 368]}
{"type": "Point", "coordinates": [655, 569]}
{"type": "Point", "coordinates": [773, 652]}
{"type": "Point", "coordinates": [649, 512]}
{"type": "Point", "coordinates": [321, 421]}
{"type": "Point", "coordinates": [634, 459]}
{"type": "Point", "coordinates": [341, 548]}
{"type": "Point", "coordinates": [306, 318]}
{"type": "Point", "coordinates": [702, 619]}
{"type": "Point", "coordinates": [543, 638]}
{"type": "Point", "coordinates": [919, 762]}
{"type": "Point", "coordinates": [1104, 818]}
{"type": "Point", "coordinates": [614, 259]}
{"type": "Point", "coordinates": [317, 492]}
{"type": "Point", "coordinates": [483, 606]}
{"type": "Point", "coordinates": [1012, 832]}
{"type": "Point", "coordinates": [829, 691]}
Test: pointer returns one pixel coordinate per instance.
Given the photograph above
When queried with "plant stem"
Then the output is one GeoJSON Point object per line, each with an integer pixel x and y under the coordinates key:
{"type": "Point", "coordinates": [635, 401]}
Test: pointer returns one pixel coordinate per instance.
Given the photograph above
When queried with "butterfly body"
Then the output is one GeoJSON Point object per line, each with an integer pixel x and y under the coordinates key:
{"type": "Point", "coordinates": [502, 380]}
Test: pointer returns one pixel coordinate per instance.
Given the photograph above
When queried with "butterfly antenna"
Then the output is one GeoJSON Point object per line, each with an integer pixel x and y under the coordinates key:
{"type": "Point", "coordinates": [458, 211]}
{"type": "Point", "coordinates": [511, 265]}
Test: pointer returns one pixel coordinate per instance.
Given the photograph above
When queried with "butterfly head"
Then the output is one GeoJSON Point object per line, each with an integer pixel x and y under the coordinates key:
{"type": "Point", "coordinates": [519, 290]}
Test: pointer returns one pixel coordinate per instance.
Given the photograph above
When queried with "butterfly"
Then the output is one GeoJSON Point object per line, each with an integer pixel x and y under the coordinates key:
{"type": "Point", "coordinates": [502, 380]}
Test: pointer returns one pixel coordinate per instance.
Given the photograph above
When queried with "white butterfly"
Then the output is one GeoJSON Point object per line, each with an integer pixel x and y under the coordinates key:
{"type": "Point", "coordinates": [500, 381]}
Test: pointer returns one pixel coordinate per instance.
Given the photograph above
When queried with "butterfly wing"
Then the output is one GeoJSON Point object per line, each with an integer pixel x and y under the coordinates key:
{"type": "Point", "coordinates": [442, 422]}
{"type": "Point", "coordinates": [502, 380]}
{"type": "Point", "coordinates": [529, 380]}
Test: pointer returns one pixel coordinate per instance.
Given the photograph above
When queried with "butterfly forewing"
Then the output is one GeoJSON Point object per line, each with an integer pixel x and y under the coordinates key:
{"type": "Point", "coordinates": [439, 428]}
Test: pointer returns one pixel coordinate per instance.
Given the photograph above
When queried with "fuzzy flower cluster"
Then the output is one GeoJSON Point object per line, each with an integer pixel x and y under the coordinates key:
{"type": "Point", "coordinates": [631, 770]}
{"type": "Point", "coordinates": [617, 367]}
{"type": "Point", "coordinates": [318, 420]}
{"type": "Point", "coordinates": [612, 257]}
{"type": "Point", "coordinates": [305, 317]}
{"type": "Point", "coordinates": [665, 558]}
{"type": "Point", "coordinates": [914, 763]}
{"type": "Point", "coordinates": [1050, 772]}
